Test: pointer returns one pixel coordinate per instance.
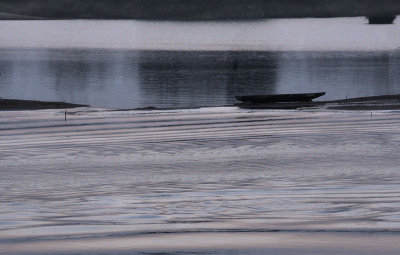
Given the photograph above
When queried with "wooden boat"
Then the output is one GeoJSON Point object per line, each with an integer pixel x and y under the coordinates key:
{"type": "Point", "coordinates": [382, 19]}
{"type": "Point", "coordinates": [260, 99]}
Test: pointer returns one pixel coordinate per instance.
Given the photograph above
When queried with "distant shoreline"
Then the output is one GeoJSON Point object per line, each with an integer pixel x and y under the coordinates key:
{"type": "Point", "coordinates": [194, 10]}
{"type": "Point", "coordinates": [15, 17]}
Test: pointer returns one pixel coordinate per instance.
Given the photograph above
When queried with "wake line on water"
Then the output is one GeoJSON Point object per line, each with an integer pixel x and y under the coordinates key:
{"type": "Point", "coordinates": [189, 124]}
{"type": "Point", "coordinates": [128, 130]}
{"type": "Point", "coordinates": [194, 231]}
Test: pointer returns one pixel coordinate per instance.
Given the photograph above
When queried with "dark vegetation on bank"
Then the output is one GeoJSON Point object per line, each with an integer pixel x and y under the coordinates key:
{"type": "Point", "coordinates": [197, 9]}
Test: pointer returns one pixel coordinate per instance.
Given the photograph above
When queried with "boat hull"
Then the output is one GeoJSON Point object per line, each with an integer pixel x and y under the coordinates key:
{"type": "Point", "coordinates": [381, 20]}
{"type": "Point", "coordinates": [260, 99]}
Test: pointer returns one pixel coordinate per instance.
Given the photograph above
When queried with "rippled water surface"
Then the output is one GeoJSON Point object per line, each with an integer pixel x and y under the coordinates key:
{"type": "Point", "coordinates": [124, 180]}
{"type": "Point", "coordinates": [213, 180]}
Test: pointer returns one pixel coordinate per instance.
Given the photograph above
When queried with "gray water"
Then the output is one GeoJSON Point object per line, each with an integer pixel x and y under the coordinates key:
{"type": "Point", "coordinates": [208, 181]}
{"type": "Point", "coordinates": [133, 79]}
{"type": "Point", "coordinates": [133, 64]}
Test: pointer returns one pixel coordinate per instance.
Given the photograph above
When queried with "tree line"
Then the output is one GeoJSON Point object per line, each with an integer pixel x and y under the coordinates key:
{"type": "Point", "coordinates": [197, 9]}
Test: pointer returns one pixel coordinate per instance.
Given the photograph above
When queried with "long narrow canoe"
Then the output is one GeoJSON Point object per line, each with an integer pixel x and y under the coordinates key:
{"type": "Point", "coordinates": [259, 99]}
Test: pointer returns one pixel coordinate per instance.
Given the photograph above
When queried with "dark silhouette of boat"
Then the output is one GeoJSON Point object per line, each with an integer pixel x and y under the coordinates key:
{"type": "Point", "coordinates": [275, 98]}
{"type": "Point", "coordinates": [381, 19]}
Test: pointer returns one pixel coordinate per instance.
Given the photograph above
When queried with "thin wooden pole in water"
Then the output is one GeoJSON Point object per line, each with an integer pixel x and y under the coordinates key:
{"type": "Point", "coordinates": [65, 116]}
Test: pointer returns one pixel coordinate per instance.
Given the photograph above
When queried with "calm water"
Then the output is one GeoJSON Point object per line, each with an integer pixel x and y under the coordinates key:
{"type": "Point", "coordinates": [130, 64]}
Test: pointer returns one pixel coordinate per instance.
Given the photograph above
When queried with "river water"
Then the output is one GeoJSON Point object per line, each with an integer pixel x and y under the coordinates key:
{"type": "Point", "coordinates": [207, 181]}
{"type": "Point", "coordinates": [214, 180]}
{"type": "Point", "coordinates": [133, 64]}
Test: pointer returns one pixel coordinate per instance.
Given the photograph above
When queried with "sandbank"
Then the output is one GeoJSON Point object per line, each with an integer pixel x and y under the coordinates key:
{"type": "Point", "coordinates": [16, 104]}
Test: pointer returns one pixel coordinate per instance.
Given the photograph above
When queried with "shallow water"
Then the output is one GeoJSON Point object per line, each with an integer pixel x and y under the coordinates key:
{"type": "Point", "coordinates": [120, 180]}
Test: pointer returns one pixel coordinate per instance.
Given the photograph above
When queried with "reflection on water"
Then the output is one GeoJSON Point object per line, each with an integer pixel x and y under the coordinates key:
{"type": "Point", "coordinates": [131, 79]}
{"type": "Point", "coordinates": [204, 78]}
{"type": "Point", "coordinates": [341, 74]}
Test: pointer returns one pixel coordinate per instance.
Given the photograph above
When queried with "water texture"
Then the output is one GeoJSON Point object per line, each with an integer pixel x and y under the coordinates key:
{"type": "Point", "coordinates": [165, 79]}
{"type": "Point", "coordinates": [213, 180]}
{"type": "Point", "coordinates": [124, 177]}
{"type": "Point", "coordinates": [134, 64]}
